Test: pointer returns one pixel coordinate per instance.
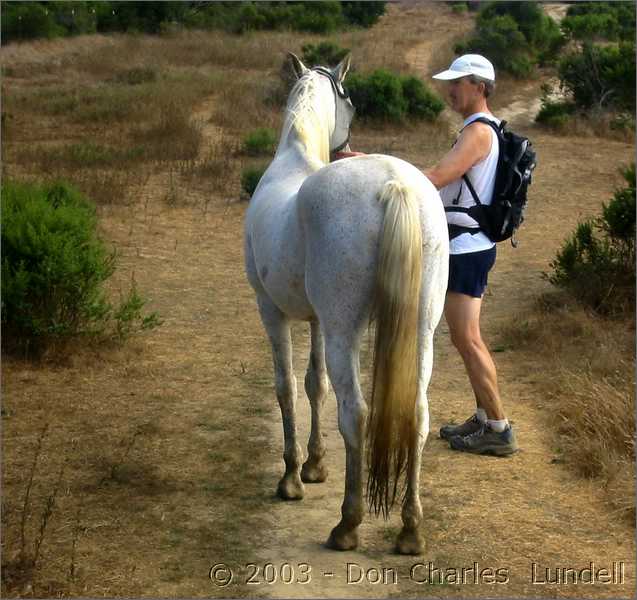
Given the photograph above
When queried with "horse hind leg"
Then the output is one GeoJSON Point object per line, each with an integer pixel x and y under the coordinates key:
{"type": "Point", "coordinates": [352, 416]}
{"type": "Point", "coordinates": [277, 326]}
{"type": "Point", "coordinates": [314, 469]}
{"type": "Point", "coordinates": [409, 539]}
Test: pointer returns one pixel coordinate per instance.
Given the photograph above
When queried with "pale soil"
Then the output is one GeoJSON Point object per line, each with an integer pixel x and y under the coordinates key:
{"type": "Point", "coordinates": [173, 444]}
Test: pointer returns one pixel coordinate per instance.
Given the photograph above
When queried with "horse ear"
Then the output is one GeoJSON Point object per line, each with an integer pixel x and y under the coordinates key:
{"type": "Point", "coordinates": [298, 67]}
{"type": "Point", "coordinates": [342, 68]}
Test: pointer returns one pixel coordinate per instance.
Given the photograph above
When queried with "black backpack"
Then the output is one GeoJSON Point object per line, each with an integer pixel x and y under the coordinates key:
{"type": "Point", "coordinates": [516, 161]}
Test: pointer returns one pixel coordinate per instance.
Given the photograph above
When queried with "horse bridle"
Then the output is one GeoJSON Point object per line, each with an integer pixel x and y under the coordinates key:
{"type": "Point", "coordinates": [341, 93]}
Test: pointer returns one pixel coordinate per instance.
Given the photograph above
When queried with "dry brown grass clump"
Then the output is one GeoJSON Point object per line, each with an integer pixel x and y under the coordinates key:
{"type": "Point", "coordinates": [588, 390]}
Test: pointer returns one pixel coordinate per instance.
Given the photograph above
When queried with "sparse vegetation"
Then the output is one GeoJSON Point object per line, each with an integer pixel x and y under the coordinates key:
{"type": "Point", "coordinates": [599, 270]}
{"type": "Point", "coordinates": [515, 36]}
{"type": "Point", "coordinates": [600, 20]}
{"type": "Point", "coordinates": [597, 74]}
{"type": "Point", "coordinates": [323, 53]}
{"type": "Point", "coordinates": [28, 20]}
{"type": "Point", "coordinates": [260, 141]}
{"type": "Point", "coordinates": [383, 95]}
{"type": "Point", "coordinates": [250, 179]}
{"type": "Point", "coordinates": [586, 391]}
{"type": "Point", "coordinates": [53, 270]}
{"type": "Point", "coordinates": [601, 77]}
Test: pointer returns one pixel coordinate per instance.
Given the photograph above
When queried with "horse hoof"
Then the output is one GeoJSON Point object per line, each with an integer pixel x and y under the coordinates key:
{"type": "Point", "coordinates": [342, 538]}
{"type": "Point", "coordinates": [313, 472]}
{"type": "Point", "coordinates": [409, 542]}
{"type": "Point", "coordinates": [290, 488]}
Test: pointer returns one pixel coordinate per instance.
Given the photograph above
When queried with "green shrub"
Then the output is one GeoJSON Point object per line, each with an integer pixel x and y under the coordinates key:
{"type": "Point", "coordinates": [606, 20]}
{"type": "Point", "coordinates": [600, 270]}
{"type": "Point", "coordinates": [386, 96]}
{"type": "Point", "coordinates": [317, 17]}
{"type": "Point", "coordinates": [27, 20]}
{"type": "Point", "coordinates": [363, 14]}
{"type": "Point", "coordinates": [323, 53]}
{"type": "Point", "coordinates": [422, 103]}
{"type": "Point", "coordinates": [555, 114]}
{"type": "Point", "coordinates": [53, 269]}
{"type": "Point", "coordinates": [250, 178]}
{"type": "Point", "coordinates": [145, 17]}
{"type": "Point", "coordinates": [618, 218]}
{"type": "Point", "coordinates": [378, 95]}
{"type": "Point", "coordinates": [260, 141]}
{"type": "Point", "coordinates": [515, 36]}
{"type": "Point", "coordinates": [459, 7]}
{"type": "Point", "coordinates": [623, 121]}
{"type": "Point", "coordinates": [601, 76]}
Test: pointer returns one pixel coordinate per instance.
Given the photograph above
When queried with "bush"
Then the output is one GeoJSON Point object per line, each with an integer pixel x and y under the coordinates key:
{"type": "Point", "coordinates": [323, 53]}
{"type": "Point", "coordinates": [378, 95]}
{"type": "Point", "coordinates": [27, 20]}
{"type": "Point", "coordinates": [239, 17]}
{"type": "Point", "coordinates": [606, 20]}
{"type": "Point", "coordinates": [555, 114]}
{"type": "Point", "coordinates": [260, 141]}
{"type": "Point", "coordinates": [421, 102]}
{"type": "Point", "coordinates": [600, 271]}
{"type": "Point", "coordinates": [601, 76]}
{"type": "Point", "coordinates": [363, 14]}
{"type": "Point", "coordinates": [386, 96]}
{"type": "Point", "coordinates": [53, 269]}
{"type": "Point", "coordinates": [24, 20]}
{"type": "Point", "coordinates": [515, 36]}
{"type": "Point", "coordinates": [250, 178]}
{"type": "Point", "coordinates": [500, 39]}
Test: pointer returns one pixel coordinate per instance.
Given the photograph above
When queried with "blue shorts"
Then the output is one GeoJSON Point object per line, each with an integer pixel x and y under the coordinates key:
{"type": "Point", "coordinates": [468, 272]}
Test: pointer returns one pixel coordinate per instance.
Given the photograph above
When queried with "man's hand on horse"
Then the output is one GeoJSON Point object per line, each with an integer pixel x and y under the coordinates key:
{"type": "Point", "coordinates": [343, 154]}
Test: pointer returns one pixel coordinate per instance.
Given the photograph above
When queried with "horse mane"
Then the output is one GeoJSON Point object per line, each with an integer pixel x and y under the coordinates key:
{"type": "Point", "coordinates": [307, 114]}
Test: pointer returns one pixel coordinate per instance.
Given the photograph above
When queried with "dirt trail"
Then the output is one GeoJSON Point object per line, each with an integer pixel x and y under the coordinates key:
{"type": "Point", "coordinates": [185, 427]}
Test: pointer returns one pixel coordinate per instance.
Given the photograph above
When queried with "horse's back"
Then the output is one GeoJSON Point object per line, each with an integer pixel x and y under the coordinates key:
{"type": "Point", "coordinates": [342, 218]}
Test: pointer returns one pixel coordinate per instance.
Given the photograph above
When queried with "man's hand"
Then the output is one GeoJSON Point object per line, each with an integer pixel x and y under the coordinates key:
{"type": "Point", "coordinates": [473, 145]}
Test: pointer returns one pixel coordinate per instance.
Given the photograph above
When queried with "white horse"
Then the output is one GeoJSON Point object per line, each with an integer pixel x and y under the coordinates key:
{"type": "Point", "coordinates": [364, 238]}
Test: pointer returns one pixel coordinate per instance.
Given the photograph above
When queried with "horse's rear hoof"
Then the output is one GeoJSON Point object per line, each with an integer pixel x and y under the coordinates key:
{"type": "Point", "coordinates": [409, 542]}
{"type": "Point", "coordinates": [342, 538]}
{"type": "Point", "coordinates": [290, 488]}
{"type": "Point", "coordinates": [312, 472]}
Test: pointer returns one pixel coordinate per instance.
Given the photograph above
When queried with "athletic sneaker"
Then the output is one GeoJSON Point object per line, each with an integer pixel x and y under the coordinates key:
{"type": "Point", "coordinates": [469, 426]}
{"type": "Point", "coordinates": [486, 441]}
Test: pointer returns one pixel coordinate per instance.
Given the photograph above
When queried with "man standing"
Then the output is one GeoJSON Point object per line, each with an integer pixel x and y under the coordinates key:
{"type": "Point", "coordinates": [470, 80]}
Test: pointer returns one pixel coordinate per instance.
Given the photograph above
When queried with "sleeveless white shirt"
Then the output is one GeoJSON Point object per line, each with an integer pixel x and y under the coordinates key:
{"type": "Point", "coordinates": [482, 177]}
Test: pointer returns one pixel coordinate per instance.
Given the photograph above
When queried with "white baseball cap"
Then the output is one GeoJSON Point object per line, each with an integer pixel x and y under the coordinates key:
{"type": "Point", "coordinates": [468, 64]}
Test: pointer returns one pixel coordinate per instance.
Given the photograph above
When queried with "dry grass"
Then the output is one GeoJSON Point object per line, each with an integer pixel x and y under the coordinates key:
{"type": "Point", "coordinates": [600, 125]}
{"type": "Point", "coordinates": [588, 390]}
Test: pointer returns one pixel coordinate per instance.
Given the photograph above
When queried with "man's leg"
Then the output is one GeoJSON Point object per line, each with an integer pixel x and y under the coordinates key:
{"type": "Point", "coordinates": [496, 436]}
{"type": "Point", "coordinates": [463, 317]}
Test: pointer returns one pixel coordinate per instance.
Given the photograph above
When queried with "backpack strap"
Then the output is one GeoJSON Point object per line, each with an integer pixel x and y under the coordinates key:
{"type": "Point", "coordinates": [471, 189]}
{"type": "Point", "coordinates": [456, 230]}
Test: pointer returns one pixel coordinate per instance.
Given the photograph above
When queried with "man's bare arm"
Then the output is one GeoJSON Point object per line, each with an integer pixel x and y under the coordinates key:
{"type": "Point", "coordinates": [472, 146]}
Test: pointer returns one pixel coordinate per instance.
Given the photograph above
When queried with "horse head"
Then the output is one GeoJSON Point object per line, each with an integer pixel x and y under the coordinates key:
{"type": "Point", "coordinates": [343, 108]}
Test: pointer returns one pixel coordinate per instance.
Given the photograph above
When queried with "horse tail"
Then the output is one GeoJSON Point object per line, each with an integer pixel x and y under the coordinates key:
{"type": "Point", "coordinates": [392, 419]}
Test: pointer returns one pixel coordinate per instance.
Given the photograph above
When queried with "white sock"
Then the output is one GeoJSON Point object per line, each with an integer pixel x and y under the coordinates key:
{"type": "Point", "coordinates": [498, 425]}
{"type": "Point", "coordinates": [481, 414]}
